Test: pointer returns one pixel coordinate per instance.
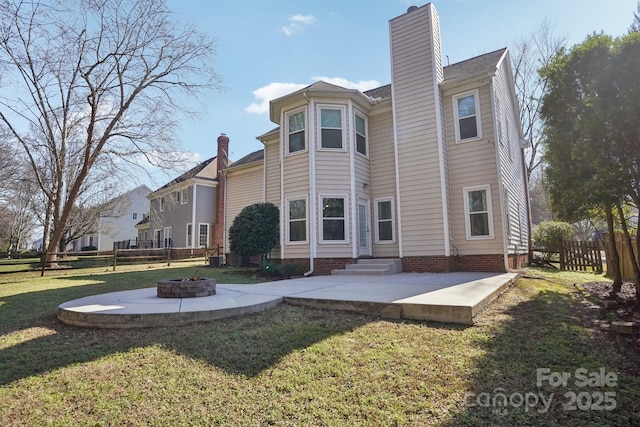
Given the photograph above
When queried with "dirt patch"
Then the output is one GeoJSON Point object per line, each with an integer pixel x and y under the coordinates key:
{"type": "Point", "coordinates": [626, 299]}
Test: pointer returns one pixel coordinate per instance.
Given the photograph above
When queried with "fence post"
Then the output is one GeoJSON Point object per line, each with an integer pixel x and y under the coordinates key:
{"type": "Point", "coordinates": [168, 256]}
{"type": "Point", "coordinates": [115, 255]}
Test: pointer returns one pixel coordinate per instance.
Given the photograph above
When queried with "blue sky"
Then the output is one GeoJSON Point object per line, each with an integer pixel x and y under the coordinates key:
{"type": "Point", "coordinates": [266, 49]}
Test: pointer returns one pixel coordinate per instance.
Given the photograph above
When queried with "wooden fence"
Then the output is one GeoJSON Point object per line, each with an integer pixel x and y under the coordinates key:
{"type": "Point", "coordinates": [581, 256]}
{"type": "Point", "coordinates": [624, 252]}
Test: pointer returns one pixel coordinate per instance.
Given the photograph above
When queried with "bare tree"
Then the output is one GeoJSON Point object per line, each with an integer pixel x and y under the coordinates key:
{"type": "Point", "coordinates": [635, 25]}
{"type": "Point", "coordinates": [96, 82]}
{"type": "Point", "coordinates": [529, 54]}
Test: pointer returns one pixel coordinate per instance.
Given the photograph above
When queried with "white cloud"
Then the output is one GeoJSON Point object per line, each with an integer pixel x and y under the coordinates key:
{"type": "Point", "coordinates": [269, 92]}
{"type": "Point", "coordinates": [296, 22]}
{"type": "Point", "coordinates": [361, 85]}
{"type": "Point", "coordinates": [275, 90]}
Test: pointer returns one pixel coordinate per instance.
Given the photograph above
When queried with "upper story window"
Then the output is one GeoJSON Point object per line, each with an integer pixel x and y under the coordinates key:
{"type": "Point", "coordinates": [466, 110]}
{"type": "Point", "coordinates": [331, 128]}
{"type": "Point", "coordinates": [296, 132]}
{"type": "Point", "coordinates": [479, 218]}
{"type": "Point", "coordinates": [135, 215]}
{"type": "Point", "coordinates": [161, 204]}
{"type": "Point", "coordinates": [178, 194]}
{"type": "Point", "coordinates": [361, 135]}
{"type": "Point", "coordinates": [184, 195]}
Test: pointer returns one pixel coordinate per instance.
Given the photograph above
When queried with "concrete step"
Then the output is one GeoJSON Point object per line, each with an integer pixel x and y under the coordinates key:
{"type": "Point", "coordinates": [374, 266]}
{"type": "Point", "coordinates": [360, 272]}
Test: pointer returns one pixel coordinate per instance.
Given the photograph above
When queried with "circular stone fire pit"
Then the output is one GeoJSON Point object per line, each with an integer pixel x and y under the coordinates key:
{"type": "Point", "coordinates": [177, 288]}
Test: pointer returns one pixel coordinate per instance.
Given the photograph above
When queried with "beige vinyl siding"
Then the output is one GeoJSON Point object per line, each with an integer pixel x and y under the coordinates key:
{"type": "Point", "coordinates": [296, 184]}
{"type": "Point", "coordinates": [272, 167]}
{"type": "Point", "coordinates": [417, 139]}
{"type": "Point", "coordinates": [511, 166]}
{"type": "Point", "coordinates": [383, 175]}
{"type": "Point", "coordinates": [473, 163]}
{"type": "Point", "coordinates": [244, 188]}
{"type": "Point", "coordinates": [333, 178]}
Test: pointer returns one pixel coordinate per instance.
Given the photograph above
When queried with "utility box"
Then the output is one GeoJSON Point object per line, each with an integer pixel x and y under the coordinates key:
{"type": "Point", "coordinates": [215, 261]}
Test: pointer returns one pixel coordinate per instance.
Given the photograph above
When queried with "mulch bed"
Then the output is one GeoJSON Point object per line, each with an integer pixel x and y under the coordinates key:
{"type": "Point", "coordinates": [599, 291]}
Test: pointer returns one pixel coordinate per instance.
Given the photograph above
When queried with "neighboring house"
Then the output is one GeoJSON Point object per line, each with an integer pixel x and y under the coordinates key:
{"type": "Point", "coordinates": [117, 221]}
{"type": "Point", "coordinates": [183, 212]}
{"type": "Point", "coordinates": [428, 169]}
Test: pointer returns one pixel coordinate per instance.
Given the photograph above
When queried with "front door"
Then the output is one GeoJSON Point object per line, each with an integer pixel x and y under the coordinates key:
{"type": "Point", "coordinates": [364, 233]}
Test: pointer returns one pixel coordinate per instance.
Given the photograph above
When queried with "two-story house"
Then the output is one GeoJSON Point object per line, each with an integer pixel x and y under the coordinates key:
{"type": "Point", "coordinates": [428, 169]}
{"type": "Point", "coordinates": [116, 221]}
{"type": "Point", "coordinates": [184, 212]}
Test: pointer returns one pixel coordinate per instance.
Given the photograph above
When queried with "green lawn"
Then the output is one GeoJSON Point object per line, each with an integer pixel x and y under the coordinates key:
{"type": "Point", "coordinates": [303, 366]}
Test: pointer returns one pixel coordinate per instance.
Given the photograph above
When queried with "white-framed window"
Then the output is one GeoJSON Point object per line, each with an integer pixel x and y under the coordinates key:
{"type": "Point", "coordinates": [478, 213]}
{"type": "Point", "coordinates": [203, 235]}
{"type": "Point", "coordinates": [466, 111]}
{"type": "Point", "coordinates": [331, 127]}
{"type": "Point", "coordinates": [296, 131]}
{"type": "Point", "coordinates": [157, 233]}
{"type": "Point", "coordinates": [361, 134]}
{"type": "Point", "coordinates": [177, 196]}
{"type": "Point", "coordinates": [162, 202]}
{"type": "Point", "coordinates": [384, 217]}
{"type": "Point", "coordinates": [297, 212]}
{"type": "Point", "coordinates": [167, 237]}
{"type": "Point", "coordinates": [333, 219]}
{"type": "Point", "coordinates": [184, 196]}
{"type": "Point", "coordinates": [189, 234]}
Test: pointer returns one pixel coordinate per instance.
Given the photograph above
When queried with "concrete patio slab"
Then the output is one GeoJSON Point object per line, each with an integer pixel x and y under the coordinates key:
{"type": "Point", "coordinates": [453, 297]}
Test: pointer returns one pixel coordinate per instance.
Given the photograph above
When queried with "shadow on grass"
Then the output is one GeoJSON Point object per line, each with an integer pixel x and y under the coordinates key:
{"type": "Point", "coordinates": [242, 346]}
{"type": "Point", "coordinates": [551, 330]}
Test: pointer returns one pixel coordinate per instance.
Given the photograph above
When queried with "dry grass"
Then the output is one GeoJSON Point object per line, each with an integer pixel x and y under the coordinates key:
{"type": "Point", "coordinates": [299, 366]}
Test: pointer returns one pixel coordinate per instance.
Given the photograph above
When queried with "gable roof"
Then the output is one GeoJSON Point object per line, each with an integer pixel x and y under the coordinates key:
{"type": "Point", "coordinates": [191, 173]}
{"type": "Point", "coordinates": [474, 67]}
{"type": "Point", "coordinates": [256, 156]}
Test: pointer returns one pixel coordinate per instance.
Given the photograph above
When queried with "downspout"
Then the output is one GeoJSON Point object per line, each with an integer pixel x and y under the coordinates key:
{"type": "Point", "coordinates": [224, 216]}
{"type": "Point", "coordinates": [193, 217]}
{"type": "Point", "coordinates": [528, 207]}
{"type": "Point", "coordinates": [355, 215]}
{"type": "Point", "coordinates": [282, 206]}
{"type": "Point", "coordinates": [500, 189]}
{"type": "Point", "coordinates": [312, 189]}
{"type": "Point", "coordinates": [395, 157]}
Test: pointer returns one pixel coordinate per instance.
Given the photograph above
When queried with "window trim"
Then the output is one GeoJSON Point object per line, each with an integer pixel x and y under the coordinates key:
{"type": "Point", "coordinates": [287, 115]}
{"type": "Point", "coordinates": [200, 224]}
{"type": "Point", "coordinates": [189, 234]}
{"type": "Point", "coordinates": [342, 109]}
{"type": "Point", "coordinates": [184, 195]}
{"type": "Point", "coordinates": [392, 220]}
{"type": "Point", "coordinates": [355, 133]}
{"type": "Point", "coordinates": [288, 220]}
{"type": "Point", "coordinates": [456, 125]}
{"type": "Point", "coordinates": [167, 233]}
{"type": "Point", "coordinates": [162, 203]}
{"type": "Point", "coordinates": [345, 218]}
{"type": "Point", "coordinates": [467, 211]}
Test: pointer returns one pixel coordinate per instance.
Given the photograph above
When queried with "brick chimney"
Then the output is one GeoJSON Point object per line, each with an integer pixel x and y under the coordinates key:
{"type": "Point", "coordinates": [222, 160]}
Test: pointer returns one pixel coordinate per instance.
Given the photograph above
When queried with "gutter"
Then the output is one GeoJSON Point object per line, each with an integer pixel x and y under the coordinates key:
{"type": "Point", "coordinates": [312, 190]}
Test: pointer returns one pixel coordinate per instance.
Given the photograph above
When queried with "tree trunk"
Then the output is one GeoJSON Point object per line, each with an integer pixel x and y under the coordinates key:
{"type": "Point", "coordinates": [632, 255]}
{"type": "Point", "coordinates": [613, 258]}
